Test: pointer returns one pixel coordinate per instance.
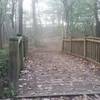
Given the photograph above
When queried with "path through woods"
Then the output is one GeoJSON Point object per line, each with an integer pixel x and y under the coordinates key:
{"type": "Point", "coordinates": [48, 72]}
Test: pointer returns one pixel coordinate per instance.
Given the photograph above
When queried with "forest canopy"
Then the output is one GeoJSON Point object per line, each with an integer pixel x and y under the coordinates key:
{"type": "Point", "coordinates": [42, 18]}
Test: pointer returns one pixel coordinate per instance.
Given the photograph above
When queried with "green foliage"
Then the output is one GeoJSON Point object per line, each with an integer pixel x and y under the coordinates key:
{"type": "Point", "coordinates": [3, 9]}
{"type": "Point", "coordinates": [81, 17]}
{"type": "Point", "coordinates": [3, 69]}
{"type": "Point", "coordinates": [5, 89]}
{"type": "Point", "coordinates": [3, 63]}
{"type": "Point", "coordinates": [7, 92]}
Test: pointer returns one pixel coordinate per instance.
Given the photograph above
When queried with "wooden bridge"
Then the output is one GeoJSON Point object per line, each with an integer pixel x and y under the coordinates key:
{"type": "Point", "coordinates": [46, 75]}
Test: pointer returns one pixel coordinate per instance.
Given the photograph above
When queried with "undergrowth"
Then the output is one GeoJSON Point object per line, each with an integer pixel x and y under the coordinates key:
{"type": "Point", "coordinates": [5, 89]}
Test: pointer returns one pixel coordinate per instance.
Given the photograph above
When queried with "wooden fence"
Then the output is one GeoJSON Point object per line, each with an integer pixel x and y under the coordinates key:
{"type": "Point", "coordinates": [88, 48]}
{"type": "Point", "coordinates": [18, 48]}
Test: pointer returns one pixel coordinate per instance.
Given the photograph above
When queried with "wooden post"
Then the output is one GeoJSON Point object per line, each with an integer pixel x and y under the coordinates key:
{"type": "Point", "coordinates": [13, 61]}
{"type": "Point", "coordinates": [85, 47]}
{"type": "Point", "coordinates": [99, 53]}
{"type": "Point", "coordinates": [25, 46]}
{"type": "Point", "coordinates": [63, 45]}
{"type": "Point", "coordinates": [18, 48]}
{"type": "Point", "coordinates": [96, 52]}
{"type": "Point", "coordinates": [91, 50]}
{"type": "Point", "coordinates": [21, 54]}
{"type": "Point", "coordinates": [70, 44]}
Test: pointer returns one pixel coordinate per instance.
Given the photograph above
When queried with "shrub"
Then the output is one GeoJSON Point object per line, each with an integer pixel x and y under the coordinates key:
{"type": "Point", "coordinates": [5, 90]}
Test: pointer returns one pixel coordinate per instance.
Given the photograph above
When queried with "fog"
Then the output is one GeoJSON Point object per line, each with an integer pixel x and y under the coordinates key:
{"type": "Point", "coordinates": [45, 21]}
{"type": "Point", "coordinates": [49, 22]}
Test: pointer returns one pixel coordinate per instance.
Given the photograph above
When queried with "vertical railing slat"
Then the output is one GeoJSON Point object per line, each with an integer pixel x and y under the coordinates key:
{"type": "Point", "coordinates": [85, 47]}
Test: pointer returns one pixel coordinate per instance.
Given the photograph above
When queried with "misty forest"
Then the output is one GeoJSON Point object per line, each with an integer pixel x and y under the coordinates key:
{"type": "Point", "coordinates": [50, 49]}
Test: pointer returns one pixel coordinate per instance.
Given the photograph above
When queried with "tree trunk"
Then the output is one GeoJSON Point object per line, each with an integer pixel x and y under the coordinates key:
{"type": "Point", "coordinates": [12, 16]}
{"type": "Point", "coordinates": [97, 19]}
{"type": "Point", "coordinates": [1, 45]}
{"type": "Point", "coordinates": [98, 29]}
{"type": "Point", "coordinates": [67, 8]}
{"type": "Point", "coordinates": [34, 16]}
{"type": "Point", "coordinates": [35, 29]}
{"type": "Point", "coordinates": [20, 16]}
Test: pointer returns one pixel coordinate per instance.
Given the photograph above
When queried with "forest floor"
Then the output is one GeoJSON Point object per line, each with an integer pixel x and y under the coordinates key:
{"type": "Point", "coordinates": [51, 73]}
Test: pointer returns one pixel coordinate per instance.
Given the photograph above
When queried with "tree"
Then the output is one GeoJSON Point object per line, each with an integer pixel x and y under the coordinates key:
{"type": "Point", "coordinates": [96, 12]}
{"type": "Point", "coordinates": [20, 16]}
{"type": "Point", "coordinates": [35, 27]}
{"type": "Point", "coordinates": [68, 4]}
{"type": "Point", "coordinates": [13, 11]}
{"type": "Point", "coordinates": [80, 17]}
{"type": "Point", "coordinates": [3, 6]}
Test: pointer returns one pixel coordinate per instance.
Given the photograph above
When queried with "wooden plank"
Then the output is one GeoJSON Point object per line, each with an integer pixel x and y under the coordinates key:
{"type": "Point", "coordinates": [61, 95]}
{"type": "Point", "coordinates": [92, 40]}
{"type": "Point", "coordinates": [78, 40]}
{"type": "Point", "coordinates": [96, 38]}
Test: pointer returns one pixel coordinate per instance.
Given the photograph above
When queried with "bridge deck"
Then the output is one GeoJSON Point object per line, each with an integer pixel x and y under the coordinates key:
{"type": "Point", "coordinates": [54, 73]}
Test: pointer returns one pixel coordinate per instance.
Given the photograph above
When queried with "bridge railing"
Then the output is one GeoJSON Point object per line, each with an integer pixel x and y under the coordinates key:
{"type": "Point", "coordinates": [18, 48]}
{"type": "Point", "coordinates": [88, 48]}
